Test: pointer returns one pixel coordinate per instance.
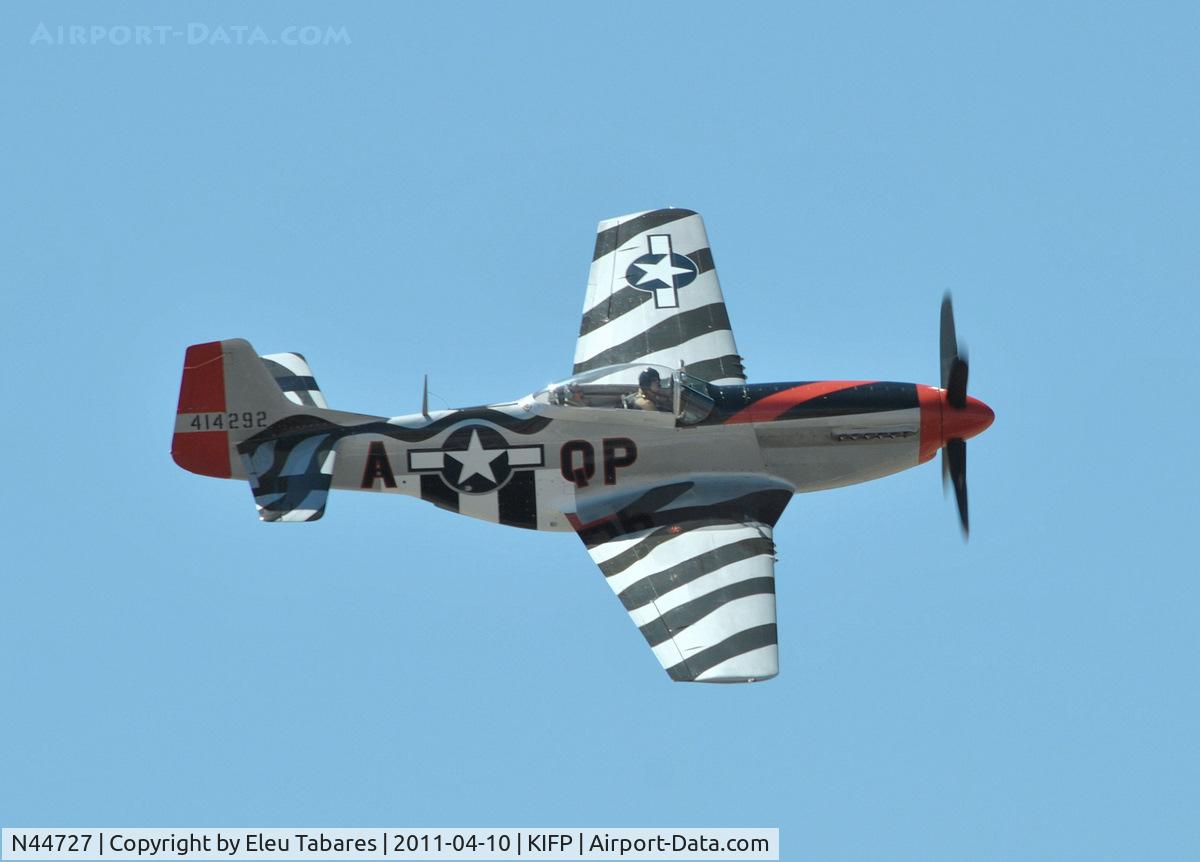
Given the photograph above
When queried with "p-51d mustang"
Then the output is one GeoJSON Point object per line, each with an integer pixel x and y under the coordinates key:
{"type": "Point", "coordinates": [670, 467]}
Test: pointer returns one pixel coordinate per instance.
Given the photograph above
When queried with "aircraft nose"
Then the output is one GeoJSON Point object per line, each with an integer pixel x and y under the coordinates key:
{"type": "Point", "coordinates": [974, 418]}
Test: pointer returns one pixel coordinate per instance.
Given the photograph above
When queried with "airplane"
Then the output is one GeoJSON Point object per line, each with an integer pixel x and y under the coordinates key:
{"type": "Point", "coordinates": [670, 467]}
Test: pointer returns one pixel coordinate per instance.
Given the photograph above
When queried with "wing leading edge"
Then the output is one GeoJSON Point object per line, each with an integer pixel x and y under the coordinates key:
{"type": "Point", "coordinates": [653, 296]}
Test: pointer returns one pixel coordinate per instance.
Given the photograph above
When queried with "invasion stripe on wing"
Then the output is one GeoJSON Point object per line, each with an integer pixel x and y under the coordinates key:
{"type": "Point", "coordinates": [671, 554]}
{"type": "Point", "coordinates": [733, 616]}
{"type": "Point", "coordinates": [650, 587]}
{"type": "Point", "coordinates": [672, 332]}
{"type": "Point", "coordinates": [610, 239]}
{"type": "Point", "coordinates": [750, 665]}
{"type": "Point", "coordinates": [741, 570]}
{"type": "Point", "coordinates": [629, 326]}
{"type": "Point", "coordinates": [691, 612]}
{"type": "Point", "coordinates": [641, 548]}
{"type": "Point", "coordinates": [742, 642]}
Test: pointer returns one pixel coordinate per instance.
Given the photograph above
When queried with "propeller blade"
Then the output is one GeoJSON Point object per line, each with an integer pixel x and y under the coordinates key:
{"type": "Point", "coordinates": [956, 383]}
{"type": "Point", "coordinates": [956, 456]}
{"type": "Point", "coordinates": [949, 340]}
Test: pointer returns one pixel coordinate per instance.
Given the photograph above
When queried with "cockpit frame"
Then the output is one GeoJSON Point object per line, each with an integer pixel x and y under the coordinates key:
{"type": "Point", "coordinates": [615, 387]}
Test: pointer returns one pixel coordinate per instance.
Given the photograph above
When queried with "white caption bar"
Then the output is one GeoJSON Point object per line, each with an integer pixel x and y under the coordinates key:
{"type": "Point", "coordinates": [399, 844]}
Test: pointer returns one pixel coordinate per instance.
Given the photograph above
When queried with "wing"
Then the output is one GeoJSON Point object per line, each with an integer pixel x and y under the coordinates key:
{"type": "Point", "coordinates": [694, 565]}
{"type": "Point", "coordinates": [653, 296]}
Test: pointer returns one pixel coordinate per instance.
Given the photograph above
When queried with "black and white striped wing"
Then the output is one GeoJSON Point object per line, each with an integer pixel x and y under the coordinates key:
{"type": "Point", "coordinates": [653, 296]}
{"type": "Point", "coordinates": [702, 594]}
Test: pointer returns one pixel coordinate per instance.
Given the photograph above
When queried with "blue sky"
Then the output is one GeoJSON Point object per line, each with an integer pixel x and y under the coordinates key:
{"type": "Point", "coordinates": [422, 200]}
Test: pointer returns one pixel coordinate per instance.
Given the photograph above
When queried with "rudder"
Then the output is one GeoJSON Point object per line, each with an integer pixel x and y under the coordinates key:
{"type": "Point", "coordinates": [227, 395]}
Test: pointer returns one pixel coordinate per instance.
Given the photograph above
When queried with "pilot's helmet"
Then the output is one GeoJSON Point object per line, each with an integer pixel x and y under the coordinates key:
{"type": "Point", "coordinates": [648, 378]}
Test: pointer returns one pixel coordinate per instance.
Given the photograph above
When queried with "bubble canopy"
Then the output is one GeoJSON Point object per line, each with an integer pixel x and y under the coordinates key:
{"type": "Point", "coordinates": [619, 387]}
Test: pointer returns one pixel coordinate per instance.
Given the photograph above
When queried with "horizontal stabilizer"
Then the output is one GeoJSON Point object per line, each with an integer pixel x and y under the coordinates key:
{"type": "Point", "coordinates": [290, 476]}
{"type": "Point", "coordinates": [295, 379]}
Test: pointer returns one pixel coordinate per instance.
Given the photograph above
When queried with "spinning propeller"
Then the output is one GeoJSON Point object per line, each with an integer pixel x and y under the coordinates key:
{"type": "Point", "coordinates": [962, 416]}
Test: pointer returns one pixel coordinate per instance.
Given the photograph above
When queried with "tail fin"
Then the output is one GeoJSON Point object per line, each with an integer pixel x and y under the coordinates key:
{"type": "Point", "coordinates": [229, 424]}
{"type": "Point", "coordinates": [227, 395]}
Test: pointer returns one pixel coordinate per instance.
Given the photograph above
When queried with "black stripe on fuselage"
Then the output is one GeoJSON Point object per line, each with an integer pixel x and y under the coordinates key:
{"type": "Point", "coordinates": [306, 425]}
{"type": "Point", "coordinates": [413, 435]}
{"type": "Point", "coordinates": [869, 398]}
{"type": "Point", "coordinates": [435, 491]}
{"type": "Point", "coordinates": [877, 397]}
{"type": "Point", "coordinates": [742, 642]}
{"type": "Point", "coordinates": [517, 501]}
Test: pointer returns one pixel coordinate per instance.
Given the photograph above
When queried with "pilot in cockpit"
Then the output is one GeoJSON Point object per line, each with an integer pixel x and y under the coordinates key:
{"type": "Point", "coordinates": [649, 392]}
{"type": "Point", "coordinates": [573, 396]}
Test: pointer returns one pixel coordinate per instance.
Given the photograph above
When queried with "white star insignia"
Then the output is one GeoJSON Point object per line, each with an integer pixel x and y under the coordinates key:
{"type": "Point", "coordinates": [475, 460]}
{"type": "Point", "coordinates": [663, 271]}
